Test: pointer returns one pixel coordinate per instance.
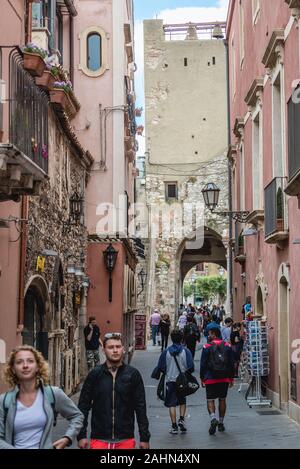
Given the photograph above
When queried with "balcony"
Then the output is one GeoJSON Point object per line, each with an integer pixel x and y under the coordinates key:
{"type": "Point", "coordinates": [293, 185]}
{"type": "Point", "coordinates": [276, 230]}
{"type": "Point", "coordinates": [24, 155]}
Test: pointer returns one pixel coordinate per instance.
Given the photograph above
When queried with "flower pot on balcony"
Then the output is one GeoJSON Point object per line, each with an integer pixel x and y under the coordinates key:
{"type": "Point", "coordinates": [280, 224]}
{"type": "Point", "coordinates": [62, 102]}
{"type": "Point", "coordinates": [46, 81]}
{"type": "Point", "coordinates": [34, 64]}
{"type": "Point", "coordinates": [59, 98]}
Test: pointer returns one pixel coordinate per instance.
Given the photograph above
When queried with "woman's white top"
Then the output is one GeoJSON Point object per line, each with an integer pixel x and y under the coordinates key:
{"type": "Point", "coordinates": [29, 424]}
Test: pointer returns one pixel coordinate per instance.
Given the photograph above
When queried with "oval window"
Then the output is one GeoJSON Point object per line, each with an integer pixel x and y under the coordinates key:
{"type": "Point", "coordinates": [94, 59]}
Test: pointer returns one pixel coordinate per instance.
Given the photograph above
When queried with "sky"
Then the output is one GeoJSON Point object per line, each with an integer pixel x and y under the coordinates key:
{"type": "Point", "coordinates": [171, 11]}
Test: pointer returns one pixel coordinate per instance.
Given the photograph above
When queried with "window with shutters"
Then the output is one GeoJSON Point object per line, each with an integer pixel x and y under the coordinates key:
{"type": "Point", "coordinates": [94, 59]}
{"type": "Point", "coordinates": [294, 137]}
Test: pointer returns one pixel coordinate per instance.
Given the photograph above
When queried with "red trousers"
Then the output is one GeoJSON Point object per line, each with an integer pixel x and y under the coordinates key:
{"type": "Point", "coordinates": [126, 444]}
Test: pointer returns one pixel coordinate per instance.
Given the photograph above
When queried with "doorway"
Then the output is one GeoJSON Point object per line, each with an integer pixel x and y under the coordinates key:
{"type": "Point", "coordinates": [35, 333]}
{"type": "Point", "coordinates": [283, 344]}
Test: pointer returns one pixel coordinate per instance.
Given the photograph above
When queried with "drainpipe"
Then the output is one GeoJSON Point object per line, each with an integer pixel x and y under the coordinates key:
{"type": "Point", "coordinates": [23, 243]}
{"type": "Point", "coordinates": [52, 16]}
{"type": "Point", "coordinates": [230, 254]}
{"type": "Point", "coordinates": [72, 50]}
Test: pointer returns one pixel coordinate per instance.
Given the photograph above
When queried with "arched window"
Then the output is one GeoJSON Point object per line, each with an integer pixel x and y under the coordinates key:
{"type": "Point", "coordinates": [94, 55]}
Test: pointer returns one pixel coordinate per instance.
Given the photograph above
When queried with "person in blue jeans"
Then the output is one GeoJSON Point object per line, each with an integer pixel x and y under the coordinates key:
{"type": "Point", "coordinates": [154, 322]}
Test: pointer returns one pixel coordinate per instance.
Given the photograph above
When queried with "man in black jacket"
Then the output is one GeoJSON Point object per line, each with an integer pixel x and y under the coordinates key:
{"type": "Point", "coordinates": [115, 392]}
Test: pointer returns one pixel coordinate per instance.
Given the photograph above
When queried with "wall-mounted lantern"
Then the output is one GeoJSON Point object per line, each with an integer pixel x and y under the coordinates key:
{"type": "Point", "coordinates": [110, 257]}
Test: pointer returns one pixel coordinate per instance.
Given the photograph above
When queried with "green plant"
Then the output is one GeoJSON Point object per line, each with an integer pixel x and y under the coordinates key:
{"type": "Point", "coordinates": [280, 202]}
{"type": "Point", "coordinates": [210, 287]}
{"type": "Point", "coordinates": [241, 241]}
{"type": "Point", "coordinates": [34, 49]}
{"type": "Point", "coordinates": [64, 85]}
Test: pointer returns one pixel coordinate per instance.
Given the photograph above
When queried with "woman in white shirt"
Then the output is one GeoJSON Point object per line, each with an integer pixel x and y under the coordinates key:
{"type": "Point", "coordinates": [28, 412]}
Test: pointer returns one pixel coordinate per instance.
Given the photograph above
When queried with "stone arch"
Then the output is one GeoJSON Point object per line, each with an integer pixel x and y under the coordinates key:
{"type": "Point", "coordinates": [37, 314]}
{"type": "Point", "coordinates": [283, 335]}
{"type": "Point", "coordinates": [204, 245]}
{"type": "Point", "coordinates": [259, 302]}
{"type": "Point", "coordinates": [261, 294]}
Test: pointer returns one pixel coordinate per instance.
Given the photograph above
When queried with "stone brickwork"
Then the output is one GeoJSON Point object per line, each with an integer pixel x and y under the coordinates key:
{"type": "Point", "coordinates": [49, 229]}
{"type": "Point", "coordinates": [166, 251]}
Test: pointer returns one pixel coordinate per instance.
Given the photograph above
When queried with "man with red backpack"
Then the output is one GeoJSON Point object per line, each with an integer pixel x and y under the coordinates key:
{"type": "Point", "coordinates": [216, 373]}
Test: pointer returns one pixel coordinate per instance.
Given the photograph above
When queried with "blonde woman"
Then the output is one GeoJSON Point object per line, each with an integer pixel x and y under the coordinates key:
{"type": "Point", "coordinates": [27, 412]}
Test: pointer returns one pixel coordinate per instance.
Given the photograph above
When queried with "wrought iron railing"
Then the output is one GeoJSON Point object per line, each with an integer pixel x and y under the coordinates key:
{"type": "Point", "coordinates": [28, 113]}
{"type": "Point", "coordinates": [275, 207]}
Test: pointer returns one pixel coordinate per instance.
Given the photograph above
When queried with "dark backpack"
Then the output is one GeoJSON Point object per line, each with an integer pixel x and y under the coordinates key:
{"type": "Point", "coordinates": [218, 361]}
{"type": "Point", "coordinates": [191, 331]}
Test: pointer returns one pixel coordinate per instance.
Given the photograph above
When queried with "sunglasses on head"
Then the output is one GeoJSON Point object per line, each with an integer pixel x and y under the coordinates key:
{"type": "Point", "coordinates": [112, 335]}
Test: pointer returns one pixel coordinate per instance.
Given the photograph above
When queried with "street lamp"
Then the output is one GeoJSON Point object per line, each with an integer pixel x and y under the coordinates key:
{"type": "Point", "coordinates": [110, 257]}
{"type": "Point", "coordinates": [76, 207]}
{"type": "Point", "coordinates": [211, 194]}
{"type": "Point", "coordinates": [142, 275]}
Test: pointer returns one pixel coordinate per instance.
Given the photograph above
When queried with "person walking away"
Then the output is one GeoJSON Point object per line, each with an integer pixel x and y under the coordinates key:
{"type": "Point", "coordinates": [191, 335]}
{"type": "Point", "coordinates": [211, 325]}
{"type": "Point", "coordinates": [216, 374]}
{"type": "Point", "coordinates": [155, 319]}
{"type": "Point", "coordinates": [167, 365]}
{"type": "Point", "coordinates": [164, 328]}
{"type": "Point", "coordinates": [222, 313]}
{"type": "Point", "coordinates": [227, 329]}
{"type": "Point", "coordinates": [29, 411]}
{"type": "Point", "coordinates": [198, 317]}
{"type": "Point", "coordinates": [115, 393]}
{"type": "Point", "coordinates": [237, 345]}
{"type": "Point", "coordinates": [92, 343]}
{"type": "Point", "coordinates": [182, 321]}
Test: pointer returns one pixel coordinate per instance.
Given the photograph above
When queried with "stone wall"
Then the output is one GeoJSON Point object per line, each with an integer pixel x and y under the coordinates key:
{"type": "Point", "coordinates": [48, 229]}
{"type": "Point", "coordinates": [166, 250]}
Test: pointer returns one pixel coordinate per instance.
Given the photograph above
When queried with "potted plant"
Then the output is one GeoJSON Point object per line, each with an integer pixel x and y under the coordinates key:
{"type": "Point", "coordinates": [47, 80]}
{"type": "Point", "coordinates": [280, 211]}
{"type": "Point", "coordinates": [241, 245]}
{"type": "Point", "coordinates": [59, 96]}
{"type": "Point", "coordinates": [33, 57]}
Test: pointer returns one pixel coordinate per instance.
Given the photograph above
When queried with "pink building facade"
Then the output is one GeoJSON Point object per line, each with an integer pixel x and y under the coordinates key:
{"type": "Point", "coordinates": [104, 77]}
{"type": "Point", "coordinates": [263, 39]}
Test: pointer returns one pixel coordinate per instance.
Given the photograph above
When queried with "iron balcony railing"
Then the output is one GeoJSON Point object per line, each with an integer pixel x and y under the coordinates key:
{"type": "Point", "coordinates": [28, 113]}
{"type": "Point", "coordinates": [275, 206]}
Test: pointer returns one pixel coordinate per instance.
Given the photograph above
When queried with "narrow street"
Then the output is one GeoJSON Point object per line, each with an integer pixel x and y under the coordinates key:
{"type": "Point", "coordinates": [260, 428]}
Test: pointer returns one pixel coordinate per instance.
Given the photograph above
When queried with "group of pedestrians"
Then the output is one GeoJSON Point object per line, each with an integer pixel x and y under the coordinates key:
{"type": "Point", "coordinates": [216, 375]}
{"type": "Point", "coordinates": [160, 325]}
{"type": "Point", "coordinates": [113, 391]}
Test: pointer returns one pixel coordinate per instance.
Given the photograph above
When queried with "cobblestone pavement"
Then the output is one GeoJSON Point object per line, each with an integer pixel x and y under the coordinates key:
{"type": "Point", "coordinates": [245, 428]}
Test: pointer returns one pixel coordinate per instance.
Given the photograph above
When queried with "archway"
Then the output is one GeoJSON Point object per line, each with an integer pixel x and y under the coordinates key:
{"type": "Point", "coordinates": [259, 309]}
{"type": "Point", "coordinates": [283, 343]}
{"type": "Point", "coordinates": [206, 246]}
{"type": "Point", "coordinates": [36, 317]}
